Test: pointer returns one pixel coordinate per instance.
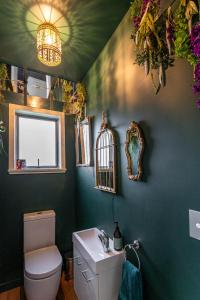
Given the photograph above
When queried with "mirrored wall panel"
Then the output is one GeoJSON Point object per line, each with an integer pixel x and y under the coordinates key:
{"type": "Point", "coordinates": [39, 90]}
{"type": "Point", "coordinates": [83, 142]}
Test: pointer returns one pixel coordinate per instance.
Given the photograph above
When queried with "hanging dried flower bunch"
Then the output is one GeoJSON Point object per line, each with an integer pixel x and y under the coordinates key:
{"type": "Point", "coordinates": [160, 38]}
{"type": "Point", "coordinates": [153, 35]}
{"type": "Point", "coordinates": [80, 100]}
{"type": "Point", "coordinates": [68, 92]}
{"type": "Point", "coordinates": [75, 98]}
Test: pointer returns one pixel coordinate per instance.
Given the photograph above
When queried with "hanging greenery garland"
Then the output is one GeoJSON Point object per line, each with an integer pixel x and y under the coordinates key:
{"type": "Point", "coordinates": [153, 36]}
{"type": "Point", "coordinates": [161, 37]}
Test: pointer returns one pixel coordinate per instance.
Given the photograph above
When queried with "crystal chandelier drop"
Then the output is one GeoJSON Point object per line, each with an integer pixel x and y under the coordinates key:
{"type": "Point", "coordinates": [49, 48]}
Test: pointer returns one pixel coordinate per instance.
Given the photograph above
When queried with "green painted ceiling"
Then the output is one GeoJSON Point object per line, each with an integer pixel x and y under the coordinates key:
{"type": "Point", "coordinates": [90, 23]}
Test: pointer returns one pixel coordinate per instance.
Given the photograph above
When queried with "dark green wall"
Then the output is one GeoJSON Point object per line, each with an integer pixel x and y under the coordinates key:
{"type": "Point", "coordinates": [27, 193]}
{"type": "Point", "coordinates": [154, 210]}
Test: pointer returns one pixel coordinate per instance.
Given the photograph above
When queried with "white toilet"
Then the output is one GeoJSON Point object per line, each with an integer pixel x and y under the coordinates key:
{"type": "Point", "coordinates": [42, 259]}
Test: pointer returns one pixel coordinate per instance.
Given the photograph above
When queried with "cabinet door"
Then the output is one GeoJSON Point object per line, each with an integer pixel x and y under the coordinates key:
{"type": "Point", "coordinates": [85, 282]}
{"type": "Point", "coordinates": [79, 284]}
{"type": "Point", "coordinates": [91, 282]}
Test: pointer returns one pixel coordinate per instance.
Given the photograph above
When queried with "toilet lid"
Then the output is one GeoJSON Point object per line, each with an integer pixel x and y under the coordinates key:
{"type": "Point", "coordinates": [42, 263]}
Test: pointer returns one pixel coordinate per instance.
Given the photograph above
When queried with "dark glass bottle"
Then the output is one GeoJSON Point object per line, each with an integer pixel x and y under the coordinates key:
{"type": "Point", "coordinates": [117, 237]}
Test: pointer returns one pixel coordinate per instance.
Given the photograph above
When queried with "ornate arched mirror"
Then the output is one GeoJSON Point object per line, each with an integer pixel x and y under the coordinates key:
{"type": "Point", "coordinates": [134, 150]}
{"type": "Point", "coordinates": [106, 158]}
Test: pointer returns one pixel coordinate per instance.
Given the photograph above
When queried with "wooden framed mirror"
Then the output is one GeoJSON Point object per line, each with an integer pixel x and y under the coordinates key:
{"type": "Point", "coordinates": [134, 149]}
{"type": "Point", "coordinates": [83, 143]}
{"type": "Point", "coordinates": [106, 158]}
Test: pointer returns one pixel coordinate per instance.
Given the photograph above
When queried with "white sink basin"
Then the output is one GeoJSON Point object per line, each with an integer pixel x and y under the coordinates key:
{"type": "Point", "coordinates": [89, 239]}
{"type": "Point", "coordinates": [90, 247]}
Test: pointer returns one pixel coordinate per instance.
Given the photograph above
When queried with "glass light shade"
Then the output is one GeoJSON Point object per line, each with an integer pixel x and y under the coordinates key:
{"type": "Point", "coordinates": [49, 48]}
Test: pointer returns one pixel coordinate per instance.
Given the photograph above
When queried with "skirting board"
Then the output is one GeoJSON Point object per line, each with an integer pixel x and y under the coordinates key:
{"type": "Point", "coordinates": [10, 284]}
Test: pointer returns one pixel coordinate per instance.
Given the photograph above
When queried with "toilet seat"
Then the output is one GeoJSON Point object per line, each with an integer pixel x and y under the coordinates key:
{"type": "Point", "coordinates": [42, 263]}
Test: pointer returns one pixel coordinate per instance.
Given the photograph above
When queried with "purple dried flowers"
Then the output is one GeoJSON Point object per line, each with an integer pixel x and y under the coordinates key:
{"type": "Point", "coordinates": [195, 48]}
{"type": "Point", "coordinates": [195, 40]}
{"type": "Point", "coordinates": [198, 104]}
{"type": "Point", "coordinates": [196, 86]}
{"type": "Point", "coordinates": [136, 21]}
{"type": "Point", "coordinates": [197, 72]}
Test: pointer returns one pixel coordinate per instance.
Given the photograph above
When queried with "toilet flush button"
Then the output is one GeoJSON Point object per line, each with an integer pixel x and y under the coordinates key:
{"type": "Point", "coordinates": [198, 225]}
{"type": "Point", "coordinates": [194, 224]}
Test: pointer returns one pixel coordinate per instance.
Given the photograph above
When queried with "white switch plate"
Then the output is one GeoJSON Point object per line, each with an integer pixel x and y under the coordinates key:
{"type": "Point", "coordinates": [194, 224]}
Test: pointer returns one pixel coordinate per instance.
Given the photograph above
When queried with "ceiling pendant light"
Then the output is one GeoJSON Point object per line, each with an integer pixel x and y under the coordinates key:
{"type": "Point", "coordinates": [49, 48]}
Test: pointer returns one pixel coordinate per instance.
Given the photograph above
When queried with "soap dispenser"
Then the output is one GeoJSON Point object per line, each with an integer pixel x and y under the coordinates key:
{"type": "Point", "coordinates": [117, 237]}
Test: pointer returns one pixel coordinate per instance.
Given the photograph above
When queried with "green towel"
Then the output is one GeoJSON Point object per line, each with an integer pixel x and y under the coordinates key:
{"type": "Point", "coordinates": [131, 286]}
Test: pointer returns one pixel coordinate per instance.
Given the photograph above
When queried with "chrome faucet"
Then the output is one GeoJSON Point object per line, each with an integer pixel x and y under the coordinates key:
{"type": "Point", "coordinates": [104, 238]}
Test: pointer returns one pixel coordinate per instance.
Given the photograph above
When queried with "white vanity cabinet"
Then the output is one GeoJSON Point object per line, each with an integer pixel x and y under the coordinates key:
{"type": "Point", "coordinates": [97, 275]}
{"type": "Point", "coordinates": [86, 283]}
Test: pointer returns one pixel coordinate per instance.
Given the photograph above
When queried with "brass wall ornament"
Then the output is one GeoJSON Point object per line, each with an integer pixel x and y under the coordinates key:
{"type": "Point", "coordinates": [106, 158]}
{"type": "Point", "coordinates": [134, 148]}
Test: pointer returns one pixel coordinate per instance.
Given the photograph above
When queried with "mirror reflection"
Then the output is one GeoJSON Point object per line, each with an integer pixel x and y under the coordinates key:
{"type": "Point", "coordinates": [41, 90]}
{"type": "Point", "coordinates": [83, 142]}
